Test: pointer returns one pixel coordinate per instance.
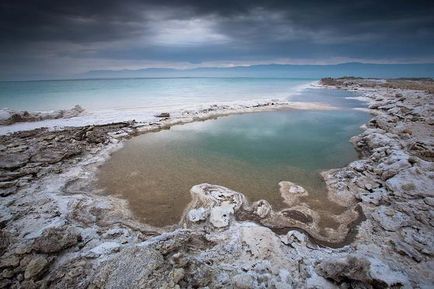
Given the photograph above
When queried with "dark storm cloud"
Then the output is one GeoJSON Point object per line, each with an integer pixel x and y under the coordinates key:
{"type": "Point", "coordinates": [48, 34]}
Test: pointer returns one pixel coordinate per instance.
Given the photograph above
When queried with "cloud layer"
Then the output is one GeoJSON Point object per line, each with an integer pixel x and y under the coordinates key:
{"type": "Point", "coordinates": [67, 37]}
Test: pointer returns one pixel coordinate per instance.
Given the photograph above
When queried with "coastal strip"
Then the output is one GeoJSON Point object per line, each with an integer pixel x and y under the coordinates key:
{"type": "Point", "coordinates": [57, 231]}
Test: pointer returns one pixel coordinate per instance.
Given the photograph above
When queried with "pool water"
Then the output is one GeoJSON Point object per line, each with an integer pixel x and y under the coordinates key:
{"type": "Point", "coordinates": [249, 153]}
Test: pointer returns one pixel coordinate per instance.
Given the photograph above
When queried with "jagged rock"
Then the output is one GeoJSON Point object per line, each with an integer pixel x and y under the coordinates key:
{"type": "Point", "coordinates": [13, 161]}
{"type": "Point", "coordinates": [103, 249]}
{"type": "Point", "coordinates": [390, 219]}
{"type": "Point", "coordinates": [260, 241]}
{"type": "Point", "coordinates": [178, 274]}
{"type": "Point", "coordinates": [375, 197]}
{"type": "Point", "coordinates": [9, 261]}
{"type": "Point", "coordinates": [243, 281]}
{"type": "Point", "coordinates": [56, 239]}
{"type": "Point", "coordinates": [412, 181]}
{"type": "Point", "coordinates": [74, 274]}
{"type": "Point", "coordinates": [5, 215]}
{"type": "Point", "coordinates": [406, 249]}
{"type": "Point", "coordinates": [261, 208]}
{"type": "Point", "coordinates": [4, 240]}
{"type": "Point", "coordinates": [5, 283]}
{"type": "Point", "coordinates": [220, 216]}
{"type": "Point", "coordinates": [360, 272]}
{"type": "Point", "coordinates": [8, 117]}
{"type": "Point", "coordinates": [51, 155]}
{"type": "Point", "coordinates": [295, 237]}
{"type": "Point", "coordinates": [163, 114]}
{"type": "Point", "coordinates": [197, 215]}
{"type": "Point", "coordinates": [36, 267]}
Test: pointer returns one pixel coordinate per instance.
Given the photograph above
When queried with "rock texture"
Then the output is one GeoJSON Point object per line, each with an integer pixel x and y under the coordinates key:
{"type": "Point", "coordinates": [8, 117]}
{"type": "Point", "coordinates": [58, 231]}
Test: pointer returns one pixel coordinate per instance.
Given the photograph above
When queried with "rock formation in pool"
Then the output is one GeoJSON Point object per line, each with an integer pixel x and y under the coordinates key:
{"type": "Point", "coordinates": [217, 206]}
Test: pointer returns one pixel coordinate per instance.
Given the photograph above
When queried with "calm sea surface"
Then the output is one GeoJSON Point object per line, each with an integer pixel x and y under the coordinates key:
{"type": "Point", "coordinates": [147, 94]}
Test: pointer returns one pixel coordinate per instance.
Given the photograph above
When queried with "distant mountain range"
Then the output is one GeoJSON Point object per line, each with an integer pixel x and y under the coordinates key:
{"type": "Point", "coordinates": [277, 70]}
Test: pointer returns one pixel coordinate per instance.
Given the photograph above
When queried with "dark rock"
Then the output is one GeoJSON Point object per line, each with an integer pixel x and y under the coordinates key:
{"type": "Point", "coordinates": [5, 283]}
{"type": "Point", "coordinates": [8, 191]}
{"type": "Point", "coordinates": [96, 136]}
{"type": "Point", "coordinates": [356, 272]}
{"type": "Point", "coordinates": [56, 239]}
{"type": "Point", "coordinates": [36, 267]}
{"type": "Point", "coordinates": [163, 114]}
{"type": "Point", "coordinates": [55, 155]}
{"type": "Point", "coordinates": [9, 261]}
{"type": "Point", "coordinates": [13, 161]}
{"type": "Point", "coordinates": [4, 240]}
{"type": "Point", "coordinates": [75, 274]}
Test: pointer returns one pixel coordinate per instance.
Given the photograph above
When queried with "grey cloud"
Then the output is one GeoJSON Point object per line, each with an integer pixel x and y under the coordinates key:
{"type": "Point", "coordinates": [37, 32]}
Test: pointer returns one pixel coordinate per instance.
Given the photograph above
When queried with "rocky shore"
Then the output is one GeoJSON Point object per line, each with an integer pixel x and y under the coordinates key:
{"type": "Point", "coordinates": [8, 117]}
{"type": "Point", "coordinates": [58, 231]}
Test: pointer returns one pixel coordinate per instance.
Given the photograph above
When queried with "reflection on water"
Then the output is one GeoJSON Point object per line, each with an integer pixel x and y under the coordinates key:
{"type": "Point", "coordinates": [248, 153]}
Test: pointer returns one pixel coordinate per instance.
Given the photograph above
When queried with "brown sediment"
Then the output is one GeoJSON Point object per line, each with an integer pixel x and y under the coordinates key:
{"type": "Point", "coordinates": [349, 238]}
{"type": "Point", "coordinates": [297, 215]}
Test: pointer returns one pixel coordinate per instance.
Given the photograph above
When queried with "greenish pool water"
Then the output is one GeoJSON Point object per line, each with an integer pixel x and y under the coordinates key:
{"type": "Point", "coordinates": [249, 153]}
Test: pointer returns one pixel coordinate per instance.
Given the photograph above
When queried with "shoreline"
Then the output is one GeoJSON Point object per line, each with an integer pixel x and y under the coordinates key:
{"type": "Point", "coordinates": [82, 232]}
{"type": "Point", "coordinates": [13, 121]}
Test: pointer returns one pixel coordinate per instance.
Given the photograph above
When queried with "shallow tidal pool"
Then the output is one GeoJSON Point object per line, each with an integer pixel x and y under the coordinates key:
{"type": "Point", "coordinates": [249, 153]}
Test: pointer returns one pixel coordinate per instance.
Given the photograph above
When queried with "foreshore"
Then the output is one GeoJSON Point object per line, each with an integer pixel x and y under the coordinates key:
{"type": "Point", "coordinates": [58, 231]}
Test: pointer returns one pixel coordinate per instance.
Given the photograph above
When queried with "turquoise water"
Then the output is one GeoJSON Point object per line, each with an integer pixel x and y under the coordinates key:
{"type": "Point", "coordinates": [249, 153]}
{"type": "Point", "coordinates": [147, 93]}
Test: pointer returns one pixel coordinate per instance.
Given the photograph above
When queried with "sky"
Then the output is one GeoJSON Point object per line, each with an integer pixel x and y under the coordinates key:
{"type": "Point", "coordinates": [45, 37]}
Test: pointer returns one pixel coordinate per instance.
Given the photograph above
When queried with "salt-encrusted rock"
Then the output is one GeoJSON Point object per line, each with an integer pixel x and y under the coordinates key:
{"type": "Point", "coordinates": [291, 193]}
{"type": "Point", "coordinates": [197, 215]}
{"type": "Point", "coordinates": [56, 239]}
{"type": "Point", "coordinates": [243, 281]}
{"type": "Point", "coordinates": [9, 261]}
{"type": "Point", "coordinates": [260, 241]}
{"type": "Point", "coordinates": [104, 249]}
{"type": "Point", "coordinates": [75, 273]}
{"type": "Point", "coordinates": [360, 272]}
{"type": "Point", "coordinates": [13, 161]}
{"type": "Point", "coordinates": [375, 197]}
{"type": "Point", "coordinates": [55, 155]}
{"type": "Point", "coordinates": [220, 216]}
{"type": "Point", "coordinates": [36, 267]}
{"type": "Point", "coordinates": [8, 117]}
{"type": "Point", "coordinates": [261, 208]}
{"type": "Point", "coordinates": [5, 215]}
{"type": "Point", "coordinates": [412, 181]}
{"type": "Point", "coordinates": [390, 219]}
{"type": "Point", "coordinates": [220, 202]}
{"type": "Point", "coordinates": [294, 237]}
